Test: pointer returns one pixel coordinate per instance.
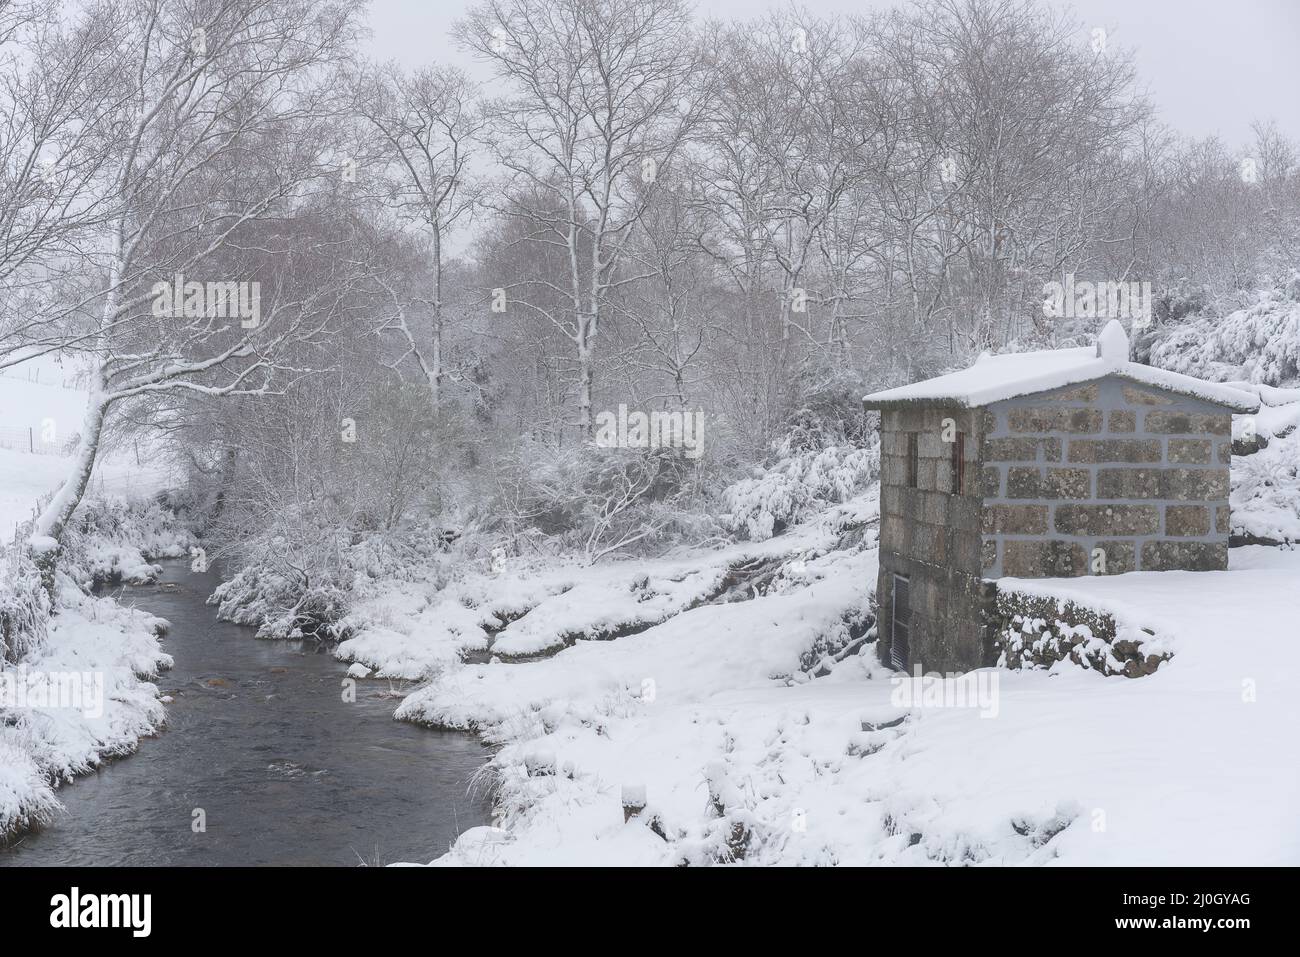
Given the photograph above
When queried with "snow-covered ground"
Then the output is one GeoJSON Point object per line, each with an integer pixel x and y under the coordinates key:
{"type": "Point", "coordinates": [46, 406]}
{"type": "Point", "coordinates": [110, 652]}
{"type": "Point", "coordinates": [114, 649]}
{"type": "Point", "coordinates": [746, 739]}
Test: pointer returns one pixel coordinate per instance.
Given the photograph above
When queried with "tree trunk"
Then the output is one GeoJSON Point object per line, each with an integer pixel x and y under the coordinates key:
{"type": "Point", "coordinates": [47, 535]}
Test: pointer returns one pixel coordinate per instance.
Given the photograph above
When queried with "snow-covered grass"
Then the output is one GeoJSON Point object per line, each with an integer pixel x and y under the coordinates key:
{"type": "Point", "coordinates": [716, 721]}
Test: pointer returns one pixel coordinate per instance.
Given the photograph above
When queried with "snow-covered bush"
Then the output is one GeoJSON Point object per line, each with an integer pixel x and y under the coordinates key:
{"type": "Point", "coordinates": [1260, 343]}
{"type": "Point", "coordinates": [57, 625]}
{"type": "Point", "coordinates": [798, 485]}
{"type": "Point", "coordinates": [115, 539]}
{"type": "Point", "coordinates": [1265, 496]}
{"type": "Point", "coordinates": [595, 502]}
{"type": "Point", "coordinates": [302, 580]}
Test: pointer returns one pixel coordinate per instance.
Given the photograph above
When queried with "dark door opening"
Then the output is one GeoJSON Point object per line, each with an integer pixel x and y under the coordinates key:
{"type": "Point", "coordinates": [900, 623]}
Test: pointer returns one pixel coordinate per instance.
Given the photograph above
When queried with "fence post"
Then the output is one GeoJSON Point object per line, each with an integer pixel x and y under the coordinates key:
{"type": "Point", "coordinates": [31, 443]}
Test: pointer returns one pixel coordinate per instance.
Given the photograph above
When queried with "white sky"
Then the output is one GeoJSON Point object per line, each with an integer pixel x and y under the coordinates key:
{"type": "Point", "coordinates": [1212, 66]}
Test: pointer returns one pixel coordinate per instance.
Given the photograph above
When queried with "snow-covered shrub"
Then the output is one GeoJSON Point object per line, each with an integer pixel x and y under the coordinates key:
{"type": "Point", "coordinates": [303, 580]}
{"type": "Point", "coordinates": [1265, 496]}
{"type": "Point", "coordinates": [24, 605]}
{"type": "Point", "coordinates": [595, 501]}
{"type": "Point", "coordinates": [58, 626]}
{"type": "Point", "coordinates": [798, 485]}
{"type": "Point", "coordinates": [1260, 343]}
{"type": "Point", "coordinates": [114, 539]}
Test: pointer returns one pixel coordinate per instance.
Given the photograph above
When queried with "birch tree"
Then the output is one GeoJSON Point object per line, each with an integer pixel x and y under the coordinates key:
{"type": "Point", "coordinates": [597, 113]}
{"type": "Point", "coordinates": [217, 123]}
{"type": "Point", "coordinates": [426, 122]}
{"type": "Point", "coordinates": [53, 102]}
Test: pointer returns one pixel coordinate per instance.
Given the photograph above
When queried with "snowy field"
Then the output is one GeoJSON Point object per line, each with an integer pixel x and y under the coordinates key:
{"type": "Point", "coordinates": [25, 477]}
{"type": "Point", "coordinates": [753, 729]}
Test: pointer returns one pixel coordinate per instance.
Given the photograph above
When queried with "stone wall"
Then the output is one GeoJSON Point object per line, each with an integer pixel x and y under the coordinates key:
{"type": "Point", "coordinates": [932, 537]}
{"type": "Point", "coordinates": [1104, 472]}
{"type": "Point", "coordinates": [1037, 631]}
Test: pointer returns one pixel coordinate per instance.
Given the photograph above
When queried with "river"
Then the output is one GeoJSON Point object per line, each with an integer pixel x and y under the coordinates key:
{"type": "Point", "coordinates": [259, 738]}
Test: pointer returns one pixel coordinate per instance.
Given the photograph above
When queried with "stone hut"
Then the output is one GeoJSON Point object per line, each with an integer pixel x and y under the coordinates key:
{"type": "Point", "coordinates": [1037, 465]}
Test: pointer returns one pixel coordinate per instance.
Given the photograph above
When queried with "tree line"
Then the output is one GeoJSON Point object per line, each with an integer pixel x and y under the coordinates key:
{"type": "Point", "coordinates": [761, 219]}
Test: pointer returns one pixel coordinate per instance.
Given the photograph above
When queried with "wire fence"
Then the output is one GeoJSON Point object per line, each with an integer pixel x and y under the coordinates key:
{"type": "Point", "coordinates": [30, 439]}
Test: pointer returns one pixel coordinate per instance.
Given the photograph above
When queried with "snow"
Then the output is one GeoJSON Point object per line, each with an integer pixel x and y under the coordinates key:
{"type": "Point", "coordinates": [1259, 344]}
{"type": "Point", "coordinates": [413, 630]}
{"type": "Point", "coordinates": [1112, 343]}
{"type": "Point", "coordinates": [995, 378]}
{"type": "Point", "coordinates": [715, 719]}
{"type": "Point", "coordinates": [41, 747]}
{"type": "Point", "coordinates": [26, 478]}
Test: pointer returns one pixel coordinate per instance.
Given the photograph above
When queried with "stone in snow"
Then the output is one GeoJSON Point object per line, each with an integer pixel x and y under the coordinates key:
{"type": "Point", "coordinates": [358, 670]}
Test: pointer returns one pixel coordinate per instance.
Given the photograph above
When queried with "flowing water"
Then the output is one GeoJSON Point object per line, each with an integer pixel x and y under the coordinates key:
{"type": "Point", "coordinates": [259, 737]}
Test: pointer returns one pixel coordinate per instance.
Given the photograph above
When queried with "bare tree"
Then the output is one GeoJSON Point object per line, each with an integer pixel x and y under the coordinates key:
{"type": "Point", "coordinates": [596, 119]}
{"type": "Point", "coordinates": [216, 124]}
{"type": "Point", "coordinates": [426, 123]}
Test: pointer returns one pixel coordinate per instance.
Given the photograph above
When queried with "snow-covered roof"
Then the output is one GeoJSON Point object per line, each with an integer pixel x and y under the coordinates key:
{"type": "Point", "coordinates": [994, 378]}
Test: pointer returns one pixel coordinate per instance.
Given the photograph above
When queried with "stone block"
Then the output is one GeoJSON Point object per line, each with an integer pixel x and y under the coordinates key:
{"type": "Point", "coordinates": [1024, 482]}
{"type": "Point", "coordinates": [1043, 558]}
{"type": "Point", "coordinates": [1187, 521]}
{"type": "Point", "coordinates": [1019, 449]}
{"type": "Point", "coordinates": [1164, 555]}
{"type": "Point", "coordinates": [1196, 484]}
{"type": "Point", "coordinates": [1167, 422]}
{"type": "Point", "coordinates": [1122, 420]}
{"type": "Point", "coordinates": [1114, 450]}
{"type": "Point", "coordinates": [1079, 393]}
{"type": "Point", "coordinates": [1134, 395]}
{"type": "Point", "coordinates": [1128, 483]}
{"type": "Point", "coordinates": [1054, 419]}
{"type": "Point", "coordinates": [1107, 519]}
{"type": "Point", "coordinates": [991, 481]}
{"type": "Point", "coordinates": [1118, 557]}
{"type": "Point", "coordinates": [988, 554]}
{"type": "Point", "coordinates": [1189, 451]}
{"type": "Point", "coordinates": [1014, 520]}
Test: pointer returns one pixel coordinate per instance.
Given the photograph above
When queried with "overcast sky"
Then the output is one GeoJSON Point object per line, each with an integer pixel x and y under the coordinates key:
{"type": "Point", "coordinates": [1212, 66]}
